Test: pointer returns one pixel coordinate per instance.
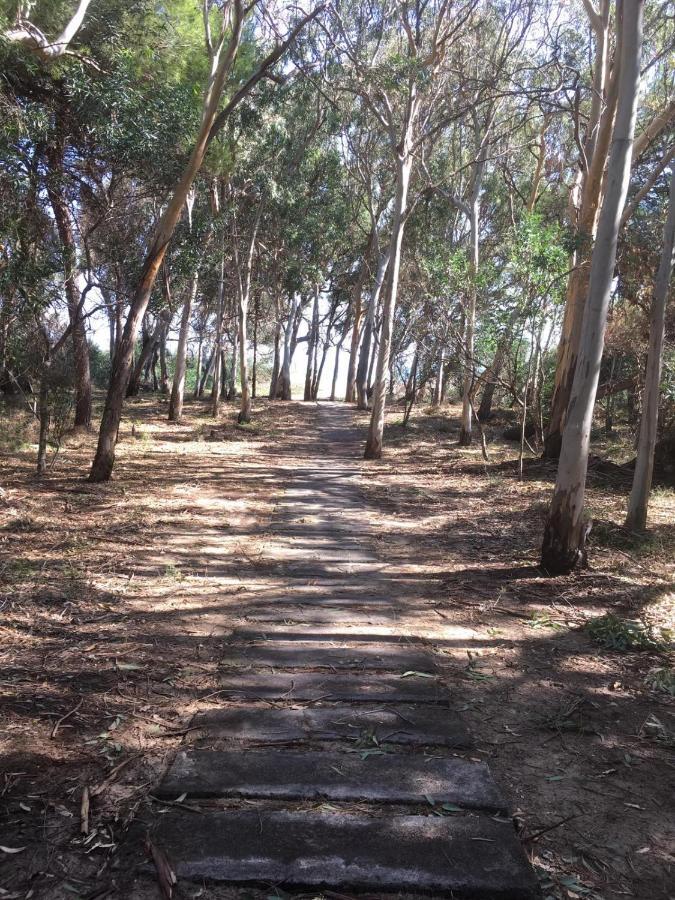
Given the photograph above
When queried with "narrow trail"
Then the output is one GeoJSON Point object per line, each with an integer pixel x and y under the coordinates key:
{"type": "Point", "coordinates": [332, 755]}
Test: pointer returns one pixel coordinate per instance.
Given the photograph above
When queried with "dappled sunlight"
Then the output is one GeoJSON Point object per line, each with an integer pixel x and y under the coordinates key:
{"type": "Point", "coordinates": [123, 607]}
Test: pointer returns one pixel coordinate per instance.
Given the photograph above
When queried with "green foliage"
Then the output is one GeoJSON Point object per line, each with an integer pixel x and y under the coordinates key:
{"type": "Point", "coordinates": [615, 633]}
{"type": "Point", "coordinates": [99, 363]}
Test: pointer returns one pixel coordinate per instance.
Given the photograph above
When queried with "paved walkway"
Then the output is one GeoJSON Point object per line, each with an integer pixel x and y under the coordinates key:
{"type": "Point", "coordinates": [333, 757]}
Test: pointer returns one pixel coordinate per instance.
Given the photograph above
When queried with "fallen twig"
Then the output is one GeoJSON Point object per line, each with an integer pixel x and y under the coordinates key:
{"type": "Point", "coordinates": [538, 834]}
{"type": "Point", "coordinates": [60, 721]}
{"type": "Point", "coordinates": [95, 791]}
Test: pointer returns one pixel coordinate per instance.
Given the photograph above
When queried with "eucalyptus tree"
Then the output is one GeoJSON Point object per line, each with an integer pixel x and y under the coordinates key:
{"type": "Point", "coordinates": [243, 264]}
{"type": "Point", "coordinates": [26, 30]}
{"type": "Point", "coordinates": [222, 46]}
{"type": "Point", "coordinates": [396, 60]}
{"type": "Point", "coordinates": [636, 518]}
{"type": "Point", "coordinates": [525, 188]}
{"type": "Point", "coordinates": [593, 100]}
{"type": "Point", "coordinates": [192, 288]}
{"type": "Point", "coordinates": [566, 528]}
{"type": "Point", "coordinates": [364, 151]}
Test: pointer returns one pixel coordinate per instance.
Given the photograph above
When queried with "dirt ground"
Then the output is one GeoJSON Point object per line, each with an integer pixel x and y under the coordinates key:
{"type": "Point", "coordinates": [116, 600]}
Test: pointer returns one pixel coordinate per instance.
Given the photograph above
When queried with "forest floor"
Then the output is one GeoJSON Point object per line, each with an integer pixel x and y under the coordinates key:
{"type": "Point", "coordinates": [117, 599]}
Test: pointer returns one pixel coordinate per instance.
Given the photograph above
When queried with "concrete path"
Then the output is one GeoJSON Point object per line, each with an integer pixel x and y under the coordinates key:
{"type": "Point", "coordinates": [332, 725]}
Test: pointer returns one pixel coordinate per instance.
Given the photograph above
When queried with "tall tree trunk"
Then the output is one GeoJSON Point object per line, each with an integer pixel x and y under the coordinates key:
{"type": "Point", "coordinates": [565, 533]}
{"type": "Point", "coordinates": [216, 388]}
{"type": "Point", "coordinates": [318, 370]}
{"type": "Point", "coordinates": [465, 434]}
{"type": "Point", "coordinates": [440, 373]}
{"type": "Point", "coordinates": [44, 413]}
{"type": "Point", "coordinates": [284, 379]}
{"type": "Point", "coordinates": [363, 371]}
{"type": "Point", "coordinates": [374, 440]}
{"type": "Point", "coordinates": [222, 63]}
{"type": "Point", "coordinates": [372, 361]}
{"type": "Point", "coordinates": [276, 358]}
{"type": "Point", "coordinates": [198, 369]}
{"type": "Point", "coordinates": [244, 286]}
{"type": "Point", "coordinates": [69, 256]}
{"type": "Point", "coordinates": [338, 350]}
{"type": "Point", "coordinates": [254, 367]}
{"type": "Point", "coordinates": [207, 373]}
{"type": "Point", "coordinates": [584, 202]}
{"type": "Point", "coordinates": [411, 389]}
{"type": "Point", "coordinates": [143, 362]}
{"type": "Point", "coordinates": [311, 347]}
{"type": "Point", "coordinates": [636, 518]}
{"type": "Point", "coordinates": [178, 386]}
{"type": "Point", "coordinates": [232, 373]}
{"type": "Point", "coordinates": [357, 312]}
{"type": "Point", "coordinates": [163, 370]}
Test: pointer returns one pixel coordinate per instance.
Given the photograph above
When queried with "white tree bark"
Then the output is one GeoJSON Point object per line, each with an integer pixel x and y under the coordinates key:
{"type": "Point", "coordinates": [376, 429]}
{"type": "Point", "coordinates": [178, 386]}
{"type": "Point", "coordinates": [244, 291]}
{"type": "Point", "coordinates": [644, 465]}
{"type": "Point", "coordinates": [369, 332]}
{"type": "Point", "coordinates": [24, 32]}
{"type": "Point", "coordinates": [565, 534]}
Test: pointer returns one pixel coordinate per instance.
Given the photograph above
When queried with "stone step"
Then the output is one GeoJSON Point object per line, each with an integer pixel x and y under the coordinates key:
{"type": "Point", "coordinates": [319, 598]}
{"type": "Point", "coordinates": [329, 570]}
{"type": "Point", "coordinates": [309, 775]}
{"type": "Point", "coordinates": [300, 634]}
{"type": "Point", "coordinates": [401, 725]}
{"type": "Point", "coordinates": [321, 655]}
{"type": "Point", "coordinates": [464, 856]}
{"type": "Point", "coordinates": [357, 615]}
{"type": "Point", "coordinates": [320, 686]}
{"type": "Point", "coordinates": [287, 551]}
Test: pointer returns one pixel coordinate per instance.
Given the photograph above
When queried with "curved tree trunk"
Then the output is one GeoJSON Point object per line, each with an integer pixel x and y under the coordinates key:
{"type": "Point", "coordinates": [373, 448]}
{"type": "Point", "coordinates": [566, 529]}
{"type": "Point", "coordinates": [636, 518]}
{"type": "Point", "coordinates": [222, 63]}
